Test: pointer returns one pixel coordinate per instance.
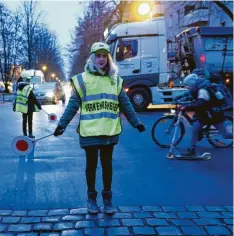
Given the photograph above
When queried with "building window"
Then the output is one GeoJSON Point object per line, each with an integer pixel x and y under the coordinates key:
{"type": "Point", "coordinates": [188, 9]}
{"type": "Point", "coordinates": [170, 22]}
{"type": "Point", "coordinates": [178, 17]}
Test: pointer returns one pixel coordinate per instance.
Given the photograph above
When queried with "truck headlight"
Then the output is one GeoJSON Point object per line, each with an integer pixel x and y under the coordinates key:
{"type": "Point", "coordinates": [49, 94]}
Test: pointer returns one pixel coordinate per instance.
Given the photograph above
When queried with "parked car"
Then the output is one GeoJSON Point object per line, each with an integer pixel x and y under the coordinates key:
{"type": "Point", "coordinates": [47, 93]}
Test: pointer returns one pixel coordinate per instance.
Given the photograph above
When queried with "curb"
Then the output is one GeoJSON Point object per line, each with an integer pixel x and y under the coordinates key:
{"type": "Point", "coordinates": [128, 220]}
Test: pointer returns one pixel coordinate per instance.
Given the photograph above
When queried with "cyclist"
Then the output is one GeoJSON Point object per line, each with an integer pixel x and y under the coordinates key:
{"type": "Point", "coordinates": [187, 96]}
{"type": "Point", "coordinates": [202, 105]}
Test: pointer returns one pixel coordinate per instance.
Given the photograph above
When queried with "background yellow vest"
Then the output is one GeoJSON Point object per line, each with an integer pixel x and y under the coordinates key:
{"type": "Point", "coordinates": [21, 102]}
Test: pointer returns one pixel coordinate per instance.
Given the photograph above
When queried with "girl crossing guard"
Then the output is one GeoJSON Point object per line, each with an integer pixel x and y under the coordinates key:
{"type": "Point", "coordinates": [99, 93]}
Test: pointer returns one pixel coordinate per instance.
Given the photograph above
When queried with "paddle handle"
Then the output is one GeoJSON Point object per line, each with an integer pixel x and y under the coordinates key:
{"type": "Point", "coordinates": [45, 111]}
{"type": "Point", "coordinates": [42, 138]}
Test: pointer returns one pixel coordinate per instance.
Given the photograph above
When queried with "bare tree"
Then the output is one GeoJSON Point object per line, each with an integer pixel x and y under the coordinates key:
{"type": "Point", "coordinates": [47, 51]}
{"type": "Point", "coordinates": [25, 41]}
{"type": "Point", "coordinates": [5, 18]}
{"type": "Point", "coordinates": [30, 20]}
{"type": "Point", "coordinates": [10, 41]}
{"type": "Point", "coordinates": [86, 33]}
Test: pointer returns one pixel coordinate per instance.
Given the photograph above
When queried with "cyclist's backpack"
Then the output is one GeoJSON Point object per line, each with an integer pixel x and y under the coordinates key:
{"type": "Point", "coordinates": [220, 97]}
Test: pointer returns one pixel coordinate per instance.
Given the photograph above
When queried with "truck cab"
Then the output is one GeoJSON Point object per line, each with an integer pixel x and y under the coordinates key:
{"type": "Point", "coordinates": [139, 49]}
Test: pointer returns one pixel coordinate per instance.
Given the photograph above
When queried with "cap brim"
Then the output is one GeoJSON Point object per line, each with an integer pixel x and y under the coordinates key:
{"type": "Point", "coordinates": [101, 50]}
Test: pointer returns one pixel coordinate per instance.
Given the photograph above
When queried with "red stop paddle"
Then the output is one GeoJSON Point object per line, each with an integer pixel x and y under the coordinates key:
{"type": "Point", "coordinates": [23, 145]}
{"type": "Point", "coordinates": [52, 117]}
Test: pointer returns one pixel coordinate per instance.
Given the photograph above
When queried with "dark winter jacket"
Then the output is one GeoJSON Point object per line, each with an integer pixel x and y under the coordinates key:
{"type": "Point", "coordinates": [74, 105]}
{"type": "Point", "coordinates": [203, 108]}
{"type": "Point", "coordinates": [31, 98]}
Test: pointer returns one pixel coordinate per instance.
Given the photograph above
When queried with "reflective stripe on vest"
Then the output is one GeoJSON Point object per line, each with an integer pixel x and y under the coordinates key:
{"type": "Point", "coordinates": [100, 104]}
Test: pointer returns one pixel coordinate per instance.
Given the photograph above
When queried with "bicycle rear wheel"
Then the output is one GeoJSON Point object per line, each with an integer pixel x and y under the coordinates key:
{"type": "Point", "coordinates": [216, 139]}
{"type": "Point", "coordinates": [163, 131]}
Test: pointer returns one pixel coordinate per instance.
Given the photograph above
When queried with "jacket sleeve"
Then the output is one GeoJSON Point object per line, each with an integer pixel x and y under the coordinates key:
{"type": "Point", "coordinates": [200, 103]}
{"type": "Point", "coordinates": [34, 99]}
{"type": "Point", "coordinates": [186, 96]}
{"type": "Point", "coordinates": [71, 109]}
{"type": "Point", "coordinates": [127, 108]}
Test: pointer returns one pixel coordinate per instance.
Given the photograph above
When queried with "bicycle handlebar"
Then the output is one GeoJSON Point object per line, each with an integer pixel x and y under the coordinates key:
{"type": "Point", "coordinates": [180, 103]}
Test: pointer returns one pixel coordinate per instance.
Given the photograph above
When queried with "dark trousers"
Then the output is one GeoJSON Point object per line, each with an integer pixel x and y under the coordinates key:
{"type": "Point", "coordinates": [27, 118]}
{"type": "Point", "coordinates": [91, 166]}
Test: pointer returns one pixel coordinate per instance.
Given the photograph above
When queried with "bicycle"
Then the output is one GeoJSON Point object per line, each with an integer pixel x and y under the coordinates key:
{"type": "Point", "coordinates": [163, 129]}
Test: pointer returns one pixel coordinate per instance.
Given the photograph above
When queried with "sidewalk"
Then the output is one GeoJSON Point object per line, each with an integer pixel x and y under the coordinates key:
{"type": "Point", "coordinates": [138, 220]}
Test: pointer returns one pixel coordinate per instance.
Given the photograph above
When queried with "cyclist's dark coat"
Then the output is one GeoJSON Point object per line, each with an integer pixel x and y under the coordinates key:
{"type": "Point", "coordinates": [203, 108]}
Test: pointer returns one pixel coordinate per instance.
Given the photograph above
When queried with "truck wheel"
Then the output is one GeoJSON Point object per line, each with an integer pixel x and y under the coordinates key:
{"type": "Point", "coordinates": [140, 98]}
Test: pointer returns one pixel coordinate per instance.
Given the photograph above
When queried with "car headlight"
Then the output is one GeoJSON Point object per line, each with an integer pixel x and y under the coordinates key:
{"type": "Point", "coordinates": [173, 111]}
{"type": "Point", "coordinates": [49, 94]}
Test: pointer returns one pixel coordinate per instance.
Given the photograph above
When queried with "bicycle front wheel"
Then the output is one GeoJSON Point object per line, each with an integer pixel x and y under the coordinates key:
{"type": "Point", "coordinates": [216, 139]}
{"type": "Point", "coordinates": [163, 131]}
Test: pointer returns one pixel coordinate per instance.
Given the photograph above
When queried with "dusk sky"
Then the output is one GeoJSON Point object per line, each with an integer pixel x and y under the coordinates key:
{"type": "Point", "coordinates": [60, 16]}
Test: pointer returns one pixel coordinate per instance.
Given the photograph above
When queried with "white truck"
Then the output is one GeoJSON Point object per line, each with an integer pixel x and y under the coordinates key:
{"type": "Point", "coordinates": [38, 76]}
{"type": "Point", "coordinates": [140, 51]}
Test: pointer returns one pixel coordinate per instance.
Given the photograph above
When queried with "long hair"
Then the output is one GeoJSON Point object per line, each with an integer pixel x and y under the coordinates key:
{"type": "Point", "coordinates": [111, 70]}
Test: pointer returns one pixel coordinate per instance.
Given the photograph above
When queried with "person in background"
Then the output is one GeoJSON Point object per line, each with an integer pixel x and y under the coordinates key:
{"type": "Point", "coordinates": [128, 52]}
{"type": "Point", "coordinates": [26, 103]}
{"type": "Point", "coordinates": [187, 96]}
{"type": "Point", "coordinates": [202, 73]}
{"type": "Point", "coordinates": [203, 104]}
{"type": "Point", "coordinates": [98, 93]}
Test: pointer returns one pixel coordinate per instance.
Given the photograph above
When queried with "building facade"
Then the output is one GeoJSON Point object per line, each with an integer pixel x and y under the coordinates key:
{"type": "Point", "coordinates": [180, 15]}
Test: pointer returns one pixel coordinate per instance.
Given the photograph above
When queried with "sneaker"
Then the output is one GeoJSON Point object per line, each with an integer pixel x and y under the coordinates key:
{"type": "Point", "coordinates": [92, 203]}
{"type": "Point", "coordinates": [92, 206]}
{"type": "Point", "coordinates": [31, 136]}
{"type": "Point", "coordinates": [108, 207]}
{"type": "Point", "coordinates": [107, 201]}
{"type": "Point", "coordinates": [190, 152]}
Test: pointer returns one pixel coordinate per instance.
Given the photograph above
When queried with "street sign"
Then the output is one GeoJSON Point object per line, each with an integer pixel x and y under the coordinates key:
{"type": "Point", "coordinates": [22, 145]}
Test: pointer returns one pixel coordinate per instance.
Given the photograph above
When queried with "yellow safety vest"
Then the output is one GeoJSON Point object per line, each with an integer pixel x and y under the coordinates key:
{"type": "Point", "coordinates": [100, 104]}
{"type": "Point", "coordinates": [21, 102]}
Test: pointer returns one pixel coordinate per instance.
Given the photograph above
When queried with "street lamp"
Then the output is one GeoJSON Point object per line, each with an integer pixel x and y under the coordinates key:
{"type": "Point", "coordinates": [44, 68]}
{"type": "Point", "coordinates": [53, 75]}
{"type": "Point", "coordinates": [144, 9]}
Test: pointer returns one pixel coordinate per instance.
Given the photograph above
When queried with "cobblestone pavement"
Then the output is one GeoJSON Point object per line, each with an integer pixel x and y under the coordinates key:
{"type": "Point", "coordinates": [138, 220]}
